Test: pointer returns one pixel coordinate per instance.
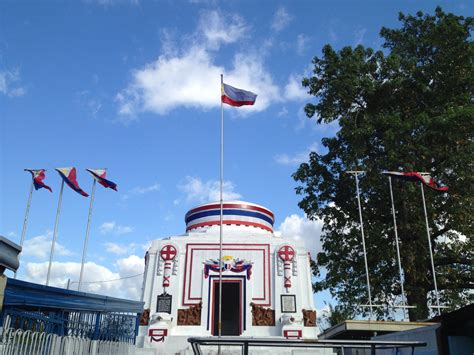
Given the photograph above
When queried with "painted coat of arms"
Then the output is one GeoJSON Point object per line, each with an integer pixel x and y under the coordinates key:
{"type": "Point", "coordinates": [229, 263]}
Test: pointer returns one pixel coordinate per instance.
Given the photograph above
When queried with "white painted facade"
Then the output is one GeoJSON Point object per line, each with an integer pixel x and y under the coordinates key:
{"type": "Point", "coordinates": [188, 284]}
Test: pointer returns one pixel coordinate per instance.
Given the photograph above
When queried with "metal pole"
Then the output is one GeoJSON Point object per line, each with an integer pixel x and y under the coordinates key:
{"type": "Point", "coordinates": [145, 276]}
{"type": "Point", "coordinates": [429, 245]}
{"type": "Point", "coordinates": [55, 234]}
{"type": "Point", "coordinates": [25, 222]}
{"type": "Point", "coordinates": [356, 173]}
{"type": "Point", "coordinates": [86, 240]}
{"type": "Point", "coordinates": [153, 277]}
{"type": "Point", "coordinates": [219, 324]}
{"type": "Point", "coordinates": [398, 250]}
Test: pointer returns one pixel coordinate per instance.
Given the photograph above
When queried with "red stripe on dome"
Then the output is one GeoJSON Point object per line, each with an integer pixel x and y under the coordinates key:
{"type": "Point", "coordinates": [230, 205]}
{"type": "Point", "coordinates": [213, 223]}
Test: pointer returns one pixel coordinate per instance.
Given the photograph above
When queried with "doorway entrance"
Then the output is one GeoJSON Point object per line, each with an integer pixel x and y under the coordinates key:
{"type": "Point", "coordinates": [231, 307]}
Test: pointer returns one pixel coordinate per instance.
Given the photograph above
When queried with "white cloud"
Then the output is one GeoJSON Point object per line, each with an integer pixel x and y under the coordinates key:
{"type": "Point", "coordinates": [281, 19]}
{"type": "Point", "coordinates": [168, 44]}
{"type": "Point", "coordinates": [132, 265]}
{"type": "Point", "coordinates": [40, 247]}
{"type": "Point", "coordinates": [192, 78]}
{"type": "Point", "coordinates": [141, 190]}
{"type": "Point", "coordinates": [123, 229]}
{"type": "Point", "coordinates": [107, 227]}
{"type": "Point", "coordinates": [9, 83]}
{"type": "Point", "coordinates": [147, 189]}
{"type": "Point", "coordinates": [218, 28]}
{"type": "Point", "coordinates": [114, 228]}
{"type": "Point", "coordinates": [198, 191]}
{"type": "Point", "coordinates": [118, 283]}
{"type": "Point", "coordinates": [295, 227]}
{"type": "Point", "coordinates": [91, 103]}
{"type": "Point", "coordinates": [301, 43]}
{"type": "Point", "coordinates": [120, 249]}
{"type": "Point", "coordinates": [296, 159]}
{"type": "Point", "coordinates": [294, 90]}
{"type": "Point", "coordinates": [359, 36]}
{"type": "Point", "coordinates": [283, 112]}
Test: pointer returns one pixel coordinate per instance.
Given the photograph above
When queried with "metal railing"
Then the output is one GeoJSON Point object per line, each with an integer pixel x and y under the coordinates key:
{"type": "Point", "coordinates": [43, 309]}
{"type": "Point", "coordinates": [246, 343]}
{"type": "Point", "coordinates": [20, 342]}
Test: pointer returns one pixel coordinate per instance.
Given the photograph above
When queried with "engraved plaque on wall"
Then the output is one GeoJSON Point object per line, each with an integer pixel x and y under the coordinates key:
{"type": "Point", "coordinates": [163, 303]}
{"type": "Point", "coordinates": [288, 304]}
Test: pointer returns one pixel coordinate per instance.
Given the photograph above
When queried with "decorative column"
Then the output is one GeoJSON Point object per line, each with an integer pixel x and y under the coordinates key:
{"type": "Point", "coordinates": [286, 254]}
{"type": "Point", "coordinates": [167, 253]}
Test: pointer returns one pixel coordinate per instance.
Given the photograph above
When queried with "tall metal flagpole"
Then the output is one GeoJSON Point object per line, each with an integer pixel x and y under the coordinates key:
{"type": "Point", "coordinates": [219, 325]}
{"type": "Point", "coordinates": [398, 250]}
{"type": "Point", "coordinates": [25, 222]}
{"type": "Point", "coordinates": [356, 173]}
{"type": "Point", "coordinates": [55, 234]}
{"type": "Point", "coordinates": [86, 240]}
{"type": "Point", "coordinates": [429, 245]}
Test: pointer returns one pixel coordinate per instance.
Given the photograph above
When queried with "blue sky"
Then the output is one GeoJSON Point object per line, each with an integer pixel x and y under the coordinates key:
{"type": "Point", "coordinates": [133, 86]}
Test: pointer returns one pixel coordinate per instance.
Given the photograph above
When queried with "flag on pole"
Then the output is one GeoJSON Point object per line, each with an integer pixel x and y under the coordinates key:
{"type": "Point", "coordinates": [237, 97]}
{"type": "Point", "coordinates": [69, 177]}
{"type": "Point", "coordinates": [99, 175]}
{"type": "Point", "coordinates": [38, 177]}
{"type": "Point", "coordinates": [424, 178]}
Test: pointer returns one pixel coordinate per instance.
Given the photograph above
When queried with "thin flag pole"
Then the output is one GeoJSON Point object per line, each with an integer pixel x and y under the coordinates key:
{"type": "Point", "coordinates": [25, 222]}
{"type": "Point", "coordinates": [356, 173]}
{"type": "Point", "coordinates": [398, 250]}
{"type": "Point", "coordinates": [219, 324]}
{"type": "Point", "coordinates": [86, 240]}
{"type": "Point", "coordinates": [431, 252]}
{"type": "Point", "coordinates": [55, 233]}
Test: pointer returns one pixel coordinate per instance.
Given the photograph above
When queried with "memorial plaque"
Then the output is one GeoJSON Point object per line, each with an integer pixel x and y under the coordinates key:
{"type": "Point", "coordinates": [288, 303]}
{"type": "Point", "coordinates": [163, 303]}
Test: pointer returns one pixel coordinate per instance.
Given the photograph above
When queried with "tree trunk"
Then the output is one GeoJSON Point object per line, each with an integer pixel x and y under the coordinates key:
{"type": "Point", "coordinates": [415, 264]}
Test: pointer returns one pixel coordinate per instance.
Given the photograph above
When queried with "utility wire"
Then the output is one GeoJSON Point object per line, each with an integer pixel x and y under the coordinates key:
{"type": "Point", "coordinates": [97, 282]}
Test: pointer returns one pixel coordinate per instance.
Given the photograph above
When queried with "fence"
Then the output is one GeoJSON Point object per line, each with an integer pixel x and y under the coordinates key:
{"type": "Point", "coordinates": [17, 341]}
{"type": "Point", "coordinates": [339, 346]}
{"type": "Point", "coordinates": [38, 319]}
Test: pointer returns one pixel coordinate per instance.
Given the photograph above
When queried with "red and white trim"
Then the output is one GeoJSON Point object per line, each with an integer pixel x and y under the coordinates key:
{"type": "Point", "coordinates": [168, 254]}
{"type": "Point", "coordinates": [293, 334]}
{"type": "Point", "coordinates": [287, 255]}
{"type": "Point", "coordinates": [192, 286]}
{"type": "Point", "coordinates": [234, 213]}
{"type": "Point", "coordinates": [157, 335]}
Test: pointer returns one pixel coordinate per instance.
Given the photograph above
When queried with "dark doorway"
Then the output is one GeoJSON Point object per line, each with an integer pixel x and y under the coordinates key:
{"type": "Point", "coordinates": [231, 308]}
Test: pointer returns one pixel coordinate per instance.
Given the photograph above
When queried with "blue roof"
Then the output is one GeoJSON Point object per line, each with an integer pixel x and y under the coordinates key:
{"type": "Point", "coordinates": [28, 294]}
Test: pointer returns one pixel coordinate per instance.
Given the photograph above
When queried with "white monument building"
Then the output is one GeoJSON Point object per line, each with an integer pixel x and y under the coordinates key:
{"type": "Point", "coordinates": [266, 280]}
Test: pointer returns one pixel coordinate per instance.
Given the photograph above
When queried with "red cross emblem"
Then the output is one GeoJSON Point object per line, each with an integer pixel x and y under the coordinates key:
{"type": "Point", "coordinates": [168, 252]}
{"type": "Point", "coordinates": [286, 253]}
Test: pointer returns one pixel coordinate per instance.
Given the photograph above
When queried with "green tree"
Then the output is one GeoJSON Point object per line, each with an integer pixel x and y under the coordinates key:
{"type": "Point", "coordinates": [335, 315]}
{"type": "Point", "coordinates": [408, 107]}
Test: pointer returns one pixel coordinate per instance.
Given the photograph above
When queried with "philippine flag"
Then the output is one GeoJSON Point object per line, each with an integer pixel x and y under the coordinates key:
{"type": "Point", "coordinates": [415, 176]}
{"type": "Point", "coordinates": [38, 177]}
{"type": "Point", "coordinates": [237, 97]}
{"type": "Point", "coordinates": [99, 175]}
{"type": "Point", "coordinates": [69, 177]}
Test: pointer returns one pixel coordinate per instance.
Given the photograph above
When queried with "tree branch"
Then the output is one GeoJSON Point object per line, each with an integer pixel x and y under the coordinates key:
{"type": "Point", "coordinates": [435, 235]}
{"type": "Point", "coordinates": [453, 260]}
{"type": "Point", "coordinates": [463, 285]}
